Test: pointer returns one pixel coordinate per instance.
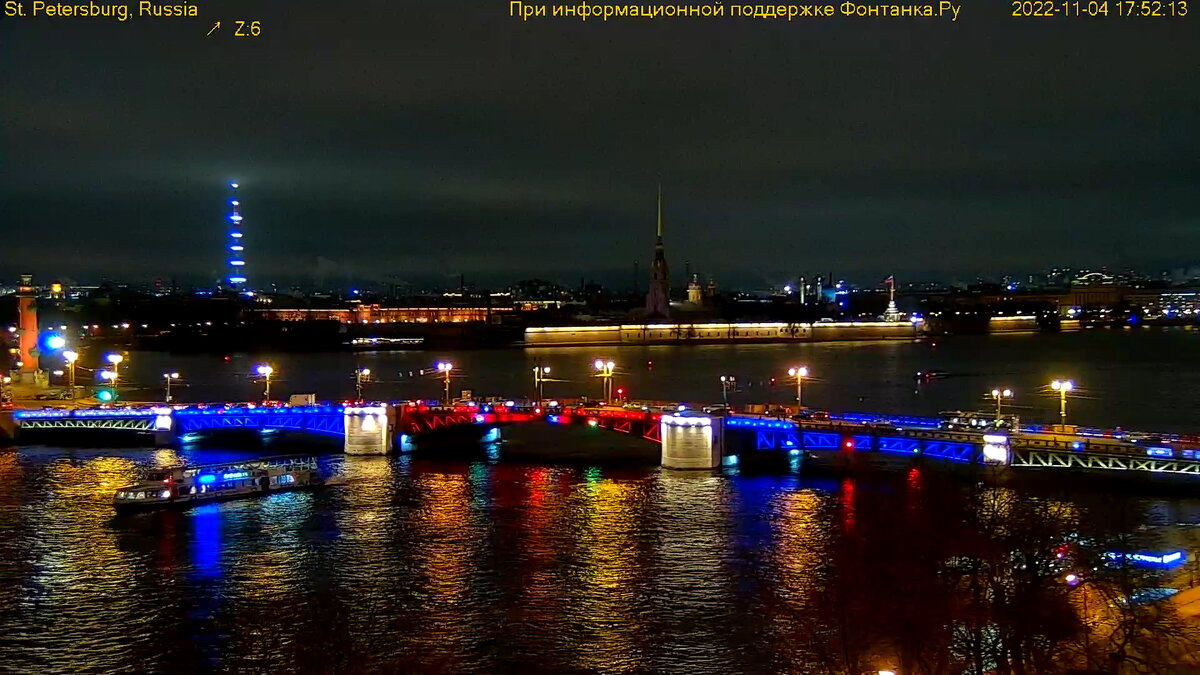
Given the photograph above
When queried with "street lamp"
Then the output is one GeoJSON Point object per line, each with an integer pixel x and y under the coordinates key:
{"type": "Point", "coordinates": [539, 377]}
{"type": "Point", "coordinates": [168, 377]}
{"type": "Point", "coordinates": [115, 359]}
{"type": "Point", "coordinates": [1000, 395]}
{"type": "Point", "coordinates": [71, 358]}
{"type": "Point", "coordinates": [266, 371]}
{"type": "Point", "coordinates": [1062, 387]}
{"type": "Point", "coordinates": [799, 372]}
{"type": "Point", "coordinates": [605, 371]}
{"type": "Point", "coordinates": [727, 381]}
{"type": "Point", "coordinates": [445, 367]}
{"type": "Point", "coordinates": [360, 376]}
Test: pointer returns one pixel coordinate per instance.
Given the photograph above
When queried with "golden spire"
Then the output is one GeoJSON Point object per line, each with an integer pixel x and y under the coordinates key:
{"type": "Point", "coordinates": [660, 212]}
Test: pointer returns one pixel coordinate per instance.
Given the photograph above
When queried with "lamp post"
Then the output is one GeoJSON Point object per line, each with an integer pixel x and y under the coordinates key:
{"type": "Point", "coordinates": [1062, 387]}
{"type": "Point", "coordinates": [445, 367]}
{"type": "Point", "coordinates": [266, 371]}
{"type": "Point", "coordinates": [110, 395]}
{"type": "Point", "coordinates": [799, 372]}
{"type": "Point", "coordinates": [71, 358]}
{"type": "Point", "coordinates": [360, 376]}
{"type": "Point", "coordinates": [727, 381]}
{"type": "Point", "coordinates": [605, 371]}
{"type": "Point", "coordinates": [168, 377]}
{"type": "Point", "coordinates": [115, 360]}
{"type": "Point", "coordinates": [539, 377]}
{"type": "Point", "coordinates": [999, 395]}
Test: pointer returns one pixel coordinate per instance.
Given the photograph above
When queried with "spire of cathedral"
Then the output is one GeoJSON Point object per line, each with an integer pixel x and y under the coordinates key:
{"type": "Point", "coordinates": [658, 297]}
{"type": "Point", "coordinates": [659, 242]}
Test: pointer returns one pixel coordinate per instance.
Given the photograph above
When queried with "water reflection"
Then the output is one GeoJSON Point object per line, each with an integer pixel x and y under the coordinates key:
{"type": "Point", "coordinates": [609, 586]}
{"type": "Point", "coordinates": [412, 564]}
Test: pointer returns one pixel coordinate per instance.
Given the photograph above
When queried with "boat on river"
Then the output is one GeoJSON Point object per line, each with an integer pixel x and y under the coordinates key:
{"type": "Point", "coordinates": [186, 486]}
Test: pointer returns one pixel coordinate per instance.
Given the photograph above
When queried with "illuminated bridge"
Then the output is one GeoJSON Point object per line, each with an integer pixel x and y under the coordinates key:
{"type": "Point", "coordinates": [687, 439]}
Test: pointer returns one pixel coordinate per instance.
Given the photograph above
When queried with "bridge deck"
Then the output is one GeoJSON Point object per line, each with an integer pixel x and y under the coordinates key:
{"type": "Point", "coordinates": [1032, 447]}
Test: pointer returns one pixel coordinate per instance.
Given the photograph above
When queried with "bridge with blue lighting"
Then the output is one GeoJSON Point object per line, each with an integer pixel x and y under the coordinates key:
{"type": "Point", "coordinates": [688, 439]}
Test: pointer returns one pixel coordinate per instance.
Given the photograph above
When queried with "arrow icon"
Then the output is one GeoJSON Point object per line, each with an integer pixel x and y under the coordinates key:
{"type": "Point", "coordinates": [215, 27]}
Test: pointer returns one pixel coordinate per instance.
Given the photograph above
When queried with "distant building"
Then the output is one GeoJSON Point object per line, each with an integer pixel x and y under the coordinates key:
{"type": "Point", "coordinates": [695, 292]}
{"type": "Point", "coordinates": [1100, 278]}
{"type": "Point", "coordinates": [658, 298]}
{"type": "Point", "coordinates": [371, 313]}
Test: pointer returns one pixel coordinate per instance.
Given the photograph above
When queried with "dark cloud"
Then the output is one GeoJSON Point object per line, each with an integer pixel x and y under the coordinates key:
{"type": "Point", "coordinates": [416, 140]}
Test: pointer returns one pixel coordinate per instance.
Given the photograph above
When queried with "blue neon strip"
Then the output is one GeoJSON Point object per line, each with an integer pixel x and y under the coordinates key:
{"type": "Point", "coordinates": [898, 420]}
{"type": "Point", "coordinates": [755, 423]}
{"type": "Point", "coordinates": [1160, 560]}
{"type": "Point", "coordinates": [955, 452]}
{"type": "Point", "coordinates": [59, 414]}
{"type": "Point", "coordinates": [816, 439]}
{"type": "Point", "coordinates": [297, 410]}
{"type": "Point", "coordinates": [906, 446]}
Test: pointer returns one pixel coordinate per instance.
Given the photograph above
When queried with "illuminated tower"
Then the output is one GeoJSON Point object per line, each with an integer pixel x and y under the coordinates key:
{"type": "Point", "coordinates": [236, 279]}
{"type": "Point", "coordinates": [891, 313]}
{"type": "Point", "coordinates": [27, 325]}
{"type": "Point", "coordinates": [658, 297]}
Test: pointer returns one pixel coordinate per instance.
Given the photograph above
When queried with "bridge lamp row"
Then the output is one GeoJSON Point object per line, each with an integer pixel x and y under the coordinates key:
{"type": "Point", "coordinates": [995, 449]}
{"type": "Point", "coordinates": [681, 421]}
{"type": "Point", "coordinates": [114, 358]}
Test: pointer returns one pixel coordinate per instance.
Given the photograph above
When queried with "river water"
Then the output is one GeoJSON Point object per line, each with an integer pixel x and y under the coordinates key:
{"type": "Point", "coordinates": [1134, 378]}
{"type": "Point", "coordinates": [562, 560]}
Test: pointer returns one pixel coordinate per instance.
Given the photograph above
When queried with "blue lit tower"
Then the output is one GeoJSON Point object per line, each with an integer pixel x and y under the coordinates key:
{"type": "Point", "coordinates": [237, 260]}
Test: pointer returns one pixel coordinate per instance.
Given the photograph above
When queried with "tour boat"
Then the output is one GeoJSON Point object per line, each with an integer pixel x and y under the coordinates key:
{"type": "Point", "coordinates": [199, 484]}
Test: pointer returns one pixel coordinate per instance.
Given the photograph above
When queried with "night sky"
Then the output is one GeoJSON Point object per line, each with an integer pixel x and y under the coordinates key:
{"type": "Point", "coordinates": [413, 140]}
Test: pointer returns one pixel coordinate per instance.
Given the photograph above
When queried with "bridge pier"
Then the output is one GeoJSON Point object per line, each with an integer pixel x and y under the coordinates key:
{"type": "Point", "coordinates": [692, 442]}
{"type": "Point", "coordinates": [164, 428]}
{"type": "Point", "coordinates": [368, 431]}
